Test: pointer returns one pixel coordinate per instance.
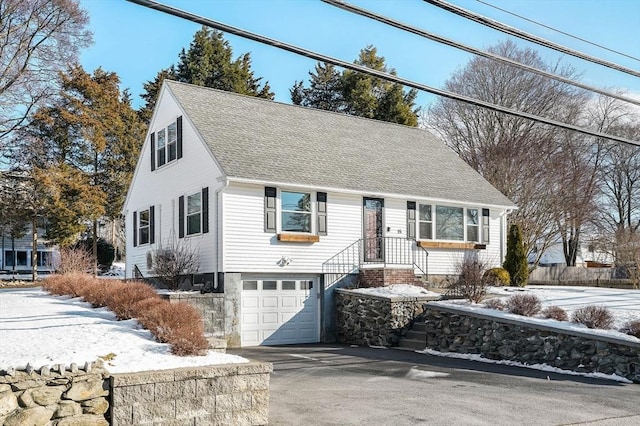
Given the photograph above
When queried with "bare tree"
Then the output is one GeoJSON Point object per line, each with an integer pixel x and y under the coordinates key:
{"type": "Point", "coordinates": [174, 259]}
{"type": "Point", "coordinates": [515, 154]}
{"type": "Point", "coordinates": [38, 38]}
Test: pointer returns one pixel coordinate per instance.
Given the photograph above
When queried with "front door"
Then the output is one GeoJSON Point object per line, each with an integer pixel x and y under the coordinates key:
{"type": "Point", "coordinates": [372, 229]}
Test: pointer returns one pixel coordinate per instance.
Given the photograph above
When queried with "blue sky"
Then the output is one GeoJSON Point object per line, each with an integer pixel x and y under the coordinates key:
{"type": "Point", "coordinates": [136, 42]}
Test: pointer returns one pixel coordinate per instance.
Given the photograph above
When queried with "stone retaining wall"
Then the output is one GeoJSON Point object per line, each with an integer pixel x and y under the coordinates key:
{"type": "Point", "coordinates": [235, 394]}
{"type": "Point", "coordinates": [56, 397]}
{"type": "Point", "coordinates": [364, 319]}
{"type": "Point", "coordinates": [455, 330]}
{"type": "Point", "coordinates": [210, 305]}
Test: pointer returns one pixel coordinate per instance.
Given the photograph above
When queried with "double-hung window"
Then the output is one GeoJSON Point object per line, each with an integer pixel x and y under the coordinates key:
{"type": "Point", "coordinates": [425, 222]}
{"type": "Point", "coordinates": [194, 213]}
{"type": "Point", "coordinates": [166, 144]}
{"type": "Point", "coordinates": [144, 224]}
{"type": "Point", "coordinates": [473, 225]}
{"type": "Point", "coordinates": [296, 211]}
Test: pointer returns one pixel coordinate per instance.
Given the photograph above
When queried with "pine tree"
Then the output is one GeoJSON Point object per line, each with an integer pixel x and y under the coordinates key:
{"type": "Point", "coordinates": [516, 259]}
{"type": "Point", "coordinates": [358, 94]}
{"type": "Point", "coordinates": [151, 91]}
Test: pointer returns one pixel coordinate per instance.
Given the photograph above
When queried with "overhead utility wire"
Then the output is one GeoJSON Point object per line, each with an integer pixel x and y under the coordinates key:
{"type": "Point", "coordinates": [431, 36]}
{"type": "Point", "coordinates": [526, 36]}
{"type": "Point", "coordinates": [558, 31]}
{"type": "Point", "coordinates": [362, 69]}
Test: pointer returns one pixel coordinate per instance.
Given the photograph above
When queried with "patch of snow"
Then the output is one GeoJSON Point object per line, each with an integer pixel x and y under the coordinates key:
{"type": "Point", "coordinates": [542, 367]}
{"type": "Point", "coordinates": [417, 374]}
{"type": "Point", "coordinates": [40, 329]}
{"type": "Point", "coordinates": [406, 290]}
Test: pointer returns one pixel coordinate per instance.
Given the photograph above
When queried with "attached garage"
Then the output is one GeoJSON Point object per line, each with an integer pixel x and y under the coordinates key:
{"type": "Point", "coordinates": [280, 311]}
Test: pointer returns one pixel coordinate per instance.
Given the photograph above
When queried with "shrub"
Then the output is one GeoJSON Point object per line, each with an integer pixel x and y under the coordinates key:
{"type": "Point", "coordinates": [469, 282]}
{"type": "Point", "coordinates": [173, 259]}
{"type": "Point", "coordinates": [593, 317]}
{"type": "Point", "coordinates": [632, 328]}
{"type": "Point", "coordinates": [494, 303]}
{"type": "Point", "coordinates": [515, 261]}
{"type": "Point", "coordinates": [73, 260]}
{"type": "Point", "coordinates": [497, 277]}
{"type": "Point", "coordinates": [106, 251]}
{"type": "Point", "coordinates": [556, 313]}
{"type": "Point", "coordinates": [524, 304]}
{"type": "Point", "coordinates": [179, 324]}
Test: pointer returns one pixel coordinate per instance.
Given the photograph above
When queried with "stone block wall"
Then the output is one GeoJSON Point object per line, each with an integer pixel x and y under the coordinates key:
{"type": "Point", "coordinates": [454, 330]}
{"type": "Point", "coordinates": [56, 397]}
{"type": "Point", "coordinates": [364, 319]}
{"type": "Point", "coordinates": [235, 394]}
{"type": "Point", "coordinates": [210, 305]}
{"type": "Point", "coordinates": [380, 277]}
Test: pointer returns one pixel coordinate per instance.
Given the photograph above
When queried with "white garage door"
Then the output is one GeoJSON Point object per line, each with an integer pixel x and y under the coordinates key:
{"type": "Point", "coordinates": [279, 312]}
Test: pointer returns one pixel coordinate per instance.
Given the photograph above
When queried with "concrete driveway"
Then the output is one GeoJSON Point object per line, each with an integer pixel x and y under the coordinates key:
{"type": "Point", "coordinates": [344, 385]}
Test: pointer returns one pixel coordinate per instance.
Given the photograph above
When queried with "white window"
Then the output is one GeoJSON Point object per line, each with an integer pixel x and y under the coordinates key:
{"type": "Point", "coordinates": [450, 223]}
{"type": "Point", "coordinates": [296, 211]}
{"type": "Point", "coordinates": [144, 227]}
{"type": "Point", "coordinates": [473, 225]}
{"type": "Point", "coordinates": [425, 222]}
{"type": "Point", "coordinates": [172, 142]}
{"type": "Point", "coordinates": [194, 214]}
{"type": "Point", "coordinates": [161, 150]}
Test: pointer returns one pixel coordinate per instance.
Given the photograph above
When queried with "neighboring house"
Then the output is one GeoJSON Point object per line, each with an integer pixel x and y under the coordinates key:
{"type": "Point", "coordinates": [16, 254]}
{"type": "Point", "coordinates": [283, 201]}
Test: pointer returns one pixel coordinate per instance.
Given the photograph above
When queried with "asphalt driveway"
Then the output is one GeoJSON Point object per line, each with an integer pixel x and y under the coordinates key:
{"type": "Point", "coordinates": [344, 385]}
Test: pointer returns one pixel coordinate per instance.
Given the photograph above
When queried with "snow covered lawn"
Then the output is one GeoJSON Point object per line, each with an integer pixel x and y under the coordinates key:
{"type": "Point", "coordinates": [41, 329]}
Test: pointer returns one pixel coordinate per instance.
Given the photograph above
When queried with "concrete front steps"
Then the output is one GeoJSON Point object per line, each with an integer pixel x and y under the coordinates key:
{"type": "Point", "coordinates": [415, 339]}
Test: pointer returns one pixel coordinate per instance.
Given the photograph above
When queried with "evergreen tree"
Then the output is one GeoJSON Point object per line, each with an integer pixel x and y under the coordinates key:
{"type": "Point", "coordinates": [90, 139]}
{"type": "Point", "coordinates": [208, 62]}
{"type": "Point", "coordinates": [358, 94]}
{"type": "Point", "coordinates": [516, 259]}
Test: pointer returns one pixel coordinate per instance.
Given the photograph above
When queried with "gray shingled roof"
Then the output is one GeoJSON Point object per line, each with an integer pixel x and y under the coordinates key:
{"type": "Point", "coordinates": [263, 140]}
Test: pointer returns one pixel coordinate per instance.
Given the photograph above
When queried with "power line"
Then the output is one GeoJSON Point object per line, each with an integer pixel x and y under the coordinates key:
{"type": "Point", "coordinates": [431, 36]}
{"type": "Point", "coordinates": [526, 36]}
{"type": "Point", "coordinates": [362, 69]}
{"type": "Point", "coordinates": [558, 31]}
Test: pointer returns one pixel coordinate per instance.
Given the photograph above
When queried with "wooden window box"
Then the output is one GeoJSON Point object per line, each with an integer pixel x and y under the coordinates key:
{"type": "Point", "coordinates": [455, 246]}
{"type": "Point", "coordinates": [297, 238]}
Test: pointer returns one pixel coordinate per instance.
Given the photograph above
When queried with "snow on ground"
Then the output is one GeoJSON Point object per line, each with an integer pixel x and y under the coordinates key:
{"type": "Point", "coordinates": [406, 290]}
{"type": "Point", "coordinates": [41, 329]}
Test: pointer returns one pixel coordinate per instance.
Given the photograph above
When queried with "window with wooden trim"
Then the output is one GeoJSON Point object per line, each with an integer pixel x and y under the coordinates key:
{"type": "Point", "coordinates": [295, 212]}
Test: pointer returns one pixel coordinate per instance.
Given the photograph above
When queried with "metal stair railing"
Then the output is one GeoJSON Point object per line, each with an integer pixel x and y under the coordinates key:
{"type": "Point", "coordinates": [379, 250]}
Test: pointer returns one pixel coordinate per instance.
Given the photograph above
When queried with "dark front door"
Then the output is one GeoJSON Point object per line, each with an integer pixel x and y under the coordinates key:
{"type": "Point", "coordinates": [372, 229]}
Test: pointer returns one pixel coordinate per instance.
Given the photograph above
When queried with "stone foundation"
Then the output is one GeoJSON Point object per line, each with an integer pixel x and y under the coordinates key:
{"type": "Point", "coordinates": [364, 319]}
{"type": "Point", "coordinates": [454, 330]}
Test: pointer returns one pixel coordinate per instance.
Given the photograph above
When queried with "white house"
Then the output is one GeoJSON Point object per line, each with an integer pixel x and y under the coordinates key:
{"type": "Point", "coordinates": [282, 201]}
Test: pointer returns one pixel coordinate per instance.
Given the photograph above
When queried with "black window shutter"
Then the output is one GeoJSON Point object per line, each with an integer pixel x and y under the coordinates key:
{"type": "Point", "coordinates": [411, 220]}
{"type": "Point", "coordinates": [179, 135]}
{"type": "Point", "coordinates": [181, 217]}
{"type": "Point", "coordinates": [152, 225]}
{"type": "Point", "coordinates": [270, 209]}
{"type": "Point", "coordinates": [153, 151]}
{"type": "Point", "coordinates": [321, 198]}
{"type": "Point", "coordinates": [485, 226]}
{"type": "Point", "coordinates": [205, 210]}
{"type": "Point", "coordinates": [135, 229]}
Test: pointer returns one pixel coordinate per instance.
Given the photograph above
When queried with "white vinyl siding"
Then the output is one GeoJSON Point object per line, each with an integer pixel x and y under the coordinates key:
{"type": "Point", "coordinates": [247, 248]}
{"type": "Point", "coordinates": [195, 170]}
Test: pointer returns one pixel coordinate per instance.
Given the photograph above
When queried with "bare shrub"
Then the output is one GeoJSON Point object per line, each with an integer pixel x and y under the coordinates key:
{"type": "Point", "coordinates": [74, 260]}
{"type": "Point", "coordinates": [178, 324]}
{"type": "Point", "coordinates": [631, 328]}
{"type": "Point", "coordinates": [593, 317]}
{"type": "Point", "coordinates": [470, 282]}
{"type": "Point", "coordinates": [494, 303]}
{"type": "Point", "coordinates": [556, 313]}
{"type": "Point", "coordinates": [524, 304]}
{"type": "Point", "coordinates": [124, 297]}
{"type": "Point", "coordinates": [174, 259]}
{"type": "Point", "coordinates": [98, 293]}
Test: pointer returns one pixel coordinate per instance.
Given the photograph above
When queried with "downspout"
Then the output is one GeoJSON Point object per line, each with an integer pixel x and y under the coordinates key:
{"type": "Point", "coordinates": [219, 222]}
